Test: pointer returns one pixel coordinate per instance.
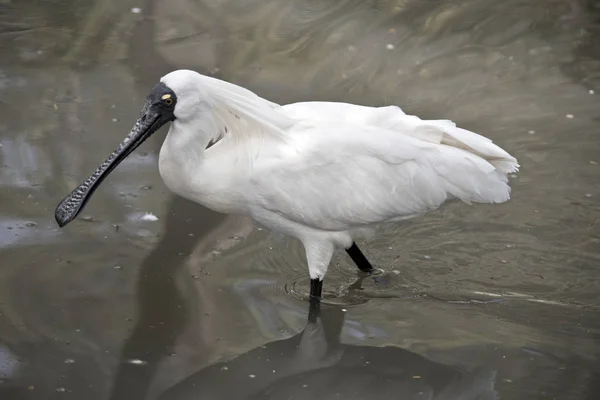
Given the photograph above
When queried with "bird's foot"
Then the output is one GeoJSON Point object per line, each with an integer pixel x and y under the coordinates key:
{"type": "Point", "coordinates": [372, 272]}
{"type": "Point", "coordinates": [380, 278]}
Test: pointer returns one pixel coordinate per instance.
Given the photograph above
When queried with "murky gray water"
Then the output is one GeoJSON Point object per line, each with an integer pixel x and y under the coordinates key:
{"type": "Point", "coordinates": [480, 302]}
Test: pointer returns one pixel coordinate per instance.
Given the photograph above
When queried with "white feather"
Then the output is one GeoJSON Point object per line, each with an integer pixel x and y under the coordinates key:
{"type": "Point", "coordinates": [243, 112]}
{"type": "Point", "coordinates": [321, 172]}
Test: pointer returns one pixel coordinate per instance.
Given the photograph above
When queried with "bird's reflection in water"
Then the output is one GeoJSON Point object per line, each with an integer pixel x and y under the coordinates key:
{"type": "Point", "coordinates": [162, 308]}
{"type": "Point", "coordinates": [315, 365]}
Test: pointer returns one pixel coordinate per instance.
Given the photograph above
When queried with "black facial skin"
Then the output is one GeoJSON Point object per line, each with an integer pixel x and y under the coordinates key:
{"type": "Point", "coordinates": [158, 110]}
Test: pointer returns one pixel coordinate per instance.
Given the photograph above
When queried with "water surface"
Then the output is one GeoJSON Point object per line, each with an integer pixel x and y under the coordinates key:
{"type": "Point", "coordinates": [475, 302]}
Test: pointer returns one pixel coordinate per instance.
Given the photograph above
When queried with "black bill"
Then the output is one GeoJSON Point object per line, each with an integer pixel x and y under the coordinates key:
{"type": "Point", "coordinates": [153, 116]}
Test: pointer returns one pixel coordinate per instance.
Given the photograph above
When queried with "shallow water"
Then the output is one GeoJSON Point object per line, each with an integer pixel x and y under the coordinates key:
{"type": "Point", "coordinates": [474, 302]}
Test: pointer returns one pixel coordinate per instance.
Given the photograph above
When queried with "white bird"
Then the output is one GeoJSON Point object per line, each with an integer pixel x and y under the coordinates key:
{"type": "Point", "coordinates": [326, 173]}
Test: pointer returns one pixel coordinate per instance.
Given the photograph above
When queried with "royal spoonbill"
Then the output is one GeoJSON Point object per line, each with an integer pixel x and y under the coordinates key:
{"type": "Point", "coordinates": [326, 173]}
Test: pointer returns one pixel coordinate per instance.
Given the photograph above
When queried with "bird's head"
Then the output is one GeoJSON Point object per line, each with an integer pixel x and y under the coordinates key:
{"type": "Point", "coordinates": [169, 100]}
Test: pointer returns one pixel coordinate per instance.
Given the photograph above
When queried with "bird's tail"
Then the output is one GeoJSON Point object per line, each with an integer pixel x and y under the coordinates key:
{"type": "Point", "coordinates": [443, 132]}
{"type": "Point", "coordinates": [471, 167]}
{"type": "Point", "coordinates": [474, 143]}
{"type": "Point", "coordinates": [469, 177]}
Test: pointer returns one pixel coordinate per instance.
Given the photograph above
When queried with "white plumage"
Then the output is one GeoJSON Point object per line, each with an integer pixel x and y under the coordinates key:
{"type": "Point", "coordinates": [325, 173]}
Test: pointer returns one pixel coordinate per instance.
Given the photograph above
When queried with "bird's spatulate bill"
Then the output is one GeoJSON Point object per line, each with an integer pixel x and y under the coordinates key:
{"type": "Point", "coordinates": [71, 206]}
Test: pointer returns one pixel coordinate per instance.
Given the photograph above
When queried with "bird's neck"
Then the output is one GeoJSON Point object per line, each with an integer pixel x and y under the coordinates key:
{"type": "Point", "coordinates": [190, 171]}
{"type": "Point", "coordinates": [182, 154]}
{"type": "Point", "coordinates": [186, 143]}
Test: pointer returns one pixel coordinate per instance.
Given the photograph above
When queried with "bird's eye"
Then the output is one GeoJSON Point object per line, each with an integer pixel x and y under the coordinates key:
{"type": "Point", "coordinates": [168, 101]}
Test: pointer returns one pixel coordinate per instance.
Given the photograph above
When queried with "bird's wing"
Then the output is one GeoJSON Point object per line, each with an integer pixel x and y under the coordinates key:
{"type": "Point", "coordinates": [338, 111]}
{"type": "Point", "coordinates": [393, 118]}
{"type": "Point", "coordinates": [335, 176]}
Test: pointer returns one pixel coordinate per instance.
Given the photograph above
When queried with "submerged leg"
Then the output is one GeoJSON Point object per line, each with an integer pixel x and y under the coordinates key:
{"type": "Point", "coordinates": [314, 308]}
{"type": "Point", "coordinates": [359, 258]}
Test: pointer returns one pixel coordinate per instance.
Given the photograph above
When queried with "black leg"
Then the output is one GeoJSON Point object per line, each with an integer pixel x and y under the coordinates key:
{"type": "Point", "coordinates": [359, 258]}
{"type": "Point", "coordinates": [316, 287]}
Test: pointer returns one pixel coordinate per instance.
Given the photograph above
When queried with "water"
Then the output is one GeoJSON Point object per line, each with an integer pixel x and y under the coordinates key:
{"type": "Point", "coordinates": [479, 302]}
